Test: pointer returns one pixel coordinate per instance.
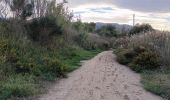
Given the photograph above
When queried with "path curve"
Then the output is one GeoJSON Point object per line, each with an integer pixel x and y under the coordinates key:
{"type": "Point", "coordinates": [100, 78]}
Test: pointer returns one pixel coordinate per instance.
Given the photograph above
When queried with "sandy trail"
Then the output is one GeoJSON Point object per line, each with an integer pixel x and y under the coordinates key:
{"type": "Point", "coordinates": [100, 78]}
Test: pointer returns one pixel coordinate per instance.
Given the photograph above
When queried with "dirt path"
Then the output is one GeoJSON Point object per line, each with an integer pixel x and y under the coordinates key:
{"type": "Point", "coordinates": [100, 78]}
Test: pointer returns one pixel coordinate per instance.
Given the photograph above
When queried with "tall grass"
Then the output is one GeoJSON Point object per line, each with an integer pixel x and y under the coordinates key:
{"type": "Point", "coordinates": [155, 46]}
{"type": "Point", "coordinates": [42, 48]}
{"type": "Point", "coordinates": [158, 41]}
{"type": "Point", "coordinates": [24, 64]}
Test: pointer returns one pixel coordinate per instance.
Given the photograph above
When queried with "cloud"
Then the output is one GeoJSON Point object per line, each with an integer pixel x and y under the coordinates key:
{"type": "Point", "coordinates": [154, 12]}
{"type": "Point", "coordinates": [76, 3]}
{"type": "Point", "coordinates": [102, 9]}
{"type": "Point", "coordinates": [103, 14]}
{"type": "Point", "coordinates": [160, 6]}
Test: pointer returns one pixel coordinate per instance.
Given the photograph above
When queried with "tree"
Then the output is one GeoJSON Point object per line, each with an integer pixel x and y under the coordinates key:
{"type": "Point", "coordinates": [3, 9]}
{"type": "Point", "coordinates": [91, 26]}
{"type": "Point", "coordinates": [140, 29]}
{"type": "Point", "coordinates": [21, 8]}
{"type": "Point", "coordinates": [27, 11]}
{"type": "Point", "coordinates": [17, 6]}
{"type": "Point", "coordinates": [108, 31]}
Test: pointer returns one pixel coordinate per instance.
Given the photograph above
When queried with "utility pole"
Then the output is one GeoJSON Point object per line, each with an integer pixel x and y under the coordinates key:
{"type": "Point", "coordinates": [133, 19]}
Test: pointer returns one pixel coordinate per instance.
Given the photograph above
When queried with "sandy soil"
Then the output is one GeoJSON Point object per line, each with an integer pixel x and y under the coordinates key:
{"type": "Point", "coordinates": [100, 78]}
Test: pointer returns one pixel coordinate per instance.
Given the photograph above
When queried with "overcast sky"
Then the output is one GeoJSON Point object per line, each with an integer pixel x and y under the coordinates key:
{"type": "Point", "coordinates": [155, 12]}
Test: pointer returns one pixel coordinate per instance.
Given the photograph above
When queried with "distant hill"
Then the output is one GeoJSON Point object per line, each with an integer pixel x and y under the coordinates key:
{"type": "Point", "coordinates": [119, 27]}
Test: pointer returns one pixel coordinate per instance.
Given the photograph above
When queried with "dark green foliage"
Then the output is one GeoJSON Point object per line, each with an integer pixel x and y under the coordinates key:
{"type": "Point", "coordinates": [26, 59]}
{"type": "Point", "coordinates": [140, 29]}
{"type": "Point", "coordinates": [55, 67]}
{"type": "Point", "coordinates": [78, 26]}
{"type": "Point", "coordinates": [125, 56]}
{"type": "Point", "coordinates": [88, 38]}
{"type": "Point", "coordinates": [82, 40]}
{"type": "Point", "coordinates": [43, 29]}
{"type": "Point", "coordinates": [23, 58]}
{"type": "Point", "coordinates": [108, 31]}
{"type": "Point", "coordinates": [17, 86]}
{"type": "Point", "coordinates": [91, 26]}
{"type": "Point", "coordinates": [39, 49]}
{"type": "Point", "coordinates": [139, 58]}
{"type": "Point", "coordinates": [146, 60]}
{"type": "Point", "coordinates": [84, 27]}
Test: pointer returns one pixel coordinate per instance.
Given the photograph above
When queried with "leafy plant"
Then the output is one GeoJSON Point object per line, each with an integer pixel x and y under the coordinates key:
{"type": "Point", "coordinates": [140, 29]}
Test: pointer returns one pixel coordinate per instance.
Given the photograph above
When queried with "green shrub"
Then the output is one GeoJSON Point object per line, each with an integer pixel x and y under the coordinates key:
{"type": "Point", "coordinates": [139, 58]}
{"type": "Point", "coordinates": [146, 61]}
{"type": "Point", "coordinates": [54, 67]}
{"type": "Point", "coordinates": [43, 29]}
{"type": "Point", "coordinates": [29, 59]}
{"type": "Point", "coordinates": [125, 56]}
{"type": "Point", "coordinates": [140, 29]}
{"type": "Point", "coordinates": [92, 41]}
{"type": "Point", "coordinates": [152, 59]}
{"type": "Point", "coordinates": [140, 49]}
{"type": "Point", "coordinates": [108, 31]}
{"type": "Point", "coordinates": [3, 47]}
{"type": "Point", "coordinates": [17, 86]}
{"type": "Point", "coordinates": [24, 62]}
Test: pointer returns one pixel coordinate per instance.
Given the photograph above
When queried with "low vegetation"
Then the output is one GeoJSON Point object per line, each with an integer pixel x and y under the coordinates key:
{"type": "Point", "coordinates": [138, 29]}
{"type": "Point", "coordinates": [23, 62]}
{"type": "Point", "coordinates": [40, 42]}
{"type": "Point", "coordinates": [107, 31]}
{"type": "Point", "coordinates": [38, 47]}
{"type": "Point", "coordinates": [148, 53]}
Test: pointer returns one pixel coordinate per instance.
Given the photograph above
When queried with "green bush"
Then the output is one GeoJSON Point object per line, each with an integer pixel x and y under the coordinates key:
{"type": "Point", "coordinates": [28, 59]}
{"type": "Point", "coordinates": [43, 29]}
{"type": "Point", "coordinates": [18, 86]}
{"type": "Point", "coordinates": [146, 60]}
{"type": "Point", "coordinates": [3, 47]}
{"type": "Point", "coordinates": [108, 31]}
{"type": "Point", "coordinates": [125, 56]}
{"type": "Point", "coordinates": [92, 41]}
{"type": "Point", "coordinates": [152, 60]}
{"type": "Point", "coordinates": [140, 29]}
{"type": "Point", "coordinates": [140, 49]}
{"type": "Point", "coordinates": [139, 58]}
{"type": "Point", "coordinates": [53, 67]}
{"type": "Point", "coordinates": [24, 62]}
